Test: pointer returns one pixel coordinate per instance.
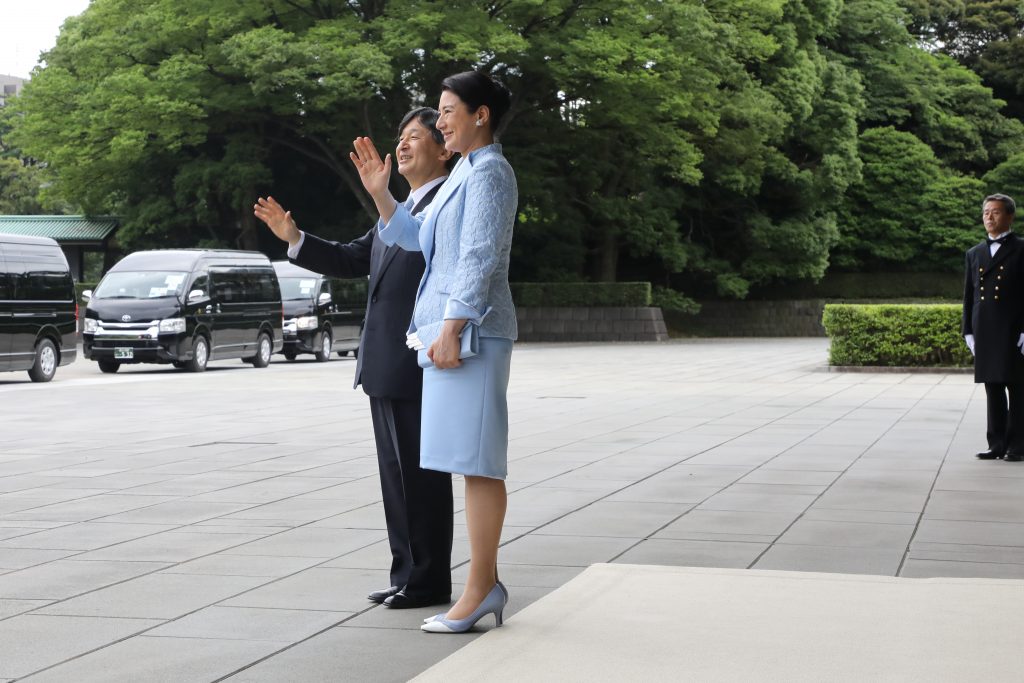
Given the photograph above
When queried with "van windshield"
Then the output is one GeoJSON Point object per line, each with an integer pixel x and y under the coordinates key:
{"type": "Point", "coordinates": [150, 284]}
{"type": "Point", "coordinates": [293, 288]}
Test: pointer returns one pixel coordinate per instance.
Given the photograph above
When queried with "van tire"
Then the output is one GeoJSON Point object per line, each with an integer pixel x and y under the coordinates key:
{"type": "Point", "coordinates": [289, 356]}
{"type": "Point", "coordinates": [264, 349]}
{"type": "Point", "coordinates": [47, 359]}
{"type": "Point", "coordinates": [200, 355]}
{"type": "Point", "coordinates": [109, 366]}
{"type": "Point", "coordinates": [323, 354]}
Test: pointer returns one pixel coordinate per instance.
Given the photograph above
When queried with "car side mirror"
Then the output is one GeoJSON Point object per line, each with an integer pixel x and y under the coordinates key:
{"type": "Point", "coordinates": [324, 298]}
{"type": "Point", "coordinates": [196, 296]}
{"type": "Point", "coordinates": [87, 295]}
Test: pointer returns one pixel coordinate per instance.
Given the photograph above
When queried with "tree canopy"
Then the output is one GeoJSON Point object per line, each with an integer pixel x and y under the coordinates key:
{"type": "Point", "coordinates": [712, 146]}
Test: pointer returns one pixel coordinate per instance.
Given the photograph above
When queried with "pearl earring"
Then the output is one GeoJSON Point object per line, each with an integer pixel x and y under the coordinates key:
{"type": "Point", "coordinates": [479, 123]}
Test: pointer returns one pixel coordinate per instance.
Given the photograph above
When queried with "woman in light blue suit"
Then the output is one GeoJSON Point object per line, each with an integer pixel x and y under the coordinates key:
{"type": "Point", "coordinates": [465, 237]}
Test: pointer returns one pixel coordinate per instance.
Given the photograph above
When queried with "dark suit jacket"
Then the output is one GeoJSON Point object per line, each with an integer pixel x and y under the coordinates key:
{"type": "Point", "coordinates": [994, 310]}
{"type": "Point", "coordinates": [385, 367]}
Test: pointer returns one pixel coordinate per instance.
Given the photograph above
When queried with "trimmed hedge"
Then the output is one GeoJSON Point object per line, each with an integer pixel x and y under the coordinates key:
{"type": "Point", "coordinates": [919, 335]}
{"type": "Point", "coordinates": [582, 294]}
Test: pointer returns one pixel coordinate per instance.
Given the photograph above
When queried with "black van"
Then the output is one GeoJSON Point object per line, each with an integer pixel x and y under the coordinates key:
{"type": "Point", "coordinates": [185, 307]}
{"type": "Point", "coordinates": [321, 314]}
{"type": "Point", "coordinates": [38, 310]}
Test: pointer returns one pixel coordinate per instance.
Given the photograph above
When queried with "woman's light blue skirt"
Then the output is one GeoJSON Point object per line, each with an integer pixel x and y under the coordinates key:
{"type": "Point", "coordinates": [465, 414]}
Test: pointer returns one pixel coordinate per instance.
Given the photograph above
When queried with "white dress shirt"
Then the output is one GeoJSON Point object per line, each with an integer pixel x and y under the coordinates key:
{"type": "Point", "coordinates": [994, 247]}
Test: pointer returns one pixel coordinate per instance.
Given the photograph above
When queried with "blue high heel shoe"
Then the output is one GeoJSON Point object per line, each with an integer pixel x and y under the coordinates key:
{"type": "Point", "coordinates": [438, 616]}
{"type": "Point", "coordinates": [494, 604]}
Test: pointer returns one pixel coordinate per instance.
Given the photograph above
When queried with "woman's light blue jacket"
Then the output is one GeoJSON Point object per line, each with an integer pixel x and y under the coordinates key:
{"type": "Point", "coordinates": [465, 236]}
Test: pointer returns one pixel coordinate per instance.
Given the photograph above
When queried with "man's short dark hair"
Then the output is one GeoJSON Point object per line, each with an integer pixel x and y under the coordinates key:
{"type": "Point", "coordinates": [1009, 205]}
{"type": "Point", "coordinates": [427, 118]}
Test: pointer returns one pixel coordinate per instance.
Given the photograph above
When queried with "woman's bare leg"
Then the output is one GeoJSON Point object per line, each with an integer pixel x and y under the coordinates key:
{"type": "Point", "coordinates": [486, 501]}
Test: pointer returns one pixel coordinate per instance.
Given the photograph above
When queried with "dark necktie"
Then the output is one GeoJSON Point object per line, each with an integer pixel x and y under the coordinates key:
{"type": "Point", "coordinates": [989, 241]}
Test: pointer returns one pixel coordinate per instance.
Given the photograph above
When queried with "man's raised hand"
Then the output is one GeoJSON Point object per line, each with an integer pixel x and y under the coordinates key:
{"type": "Point", "coordinates": [374, 173]}
{"type": "Point", "coordinates": [277, 219]}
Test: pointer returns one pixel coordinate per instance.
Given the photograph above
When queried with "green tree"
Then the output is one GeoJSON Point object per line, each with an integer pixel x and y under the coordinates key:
{"type": "Point", "coordinates": [908, 211]}
{"type": "Point", "coordinates": [710, 145]}
{"type": "Point", "coordinates": [19, 188]}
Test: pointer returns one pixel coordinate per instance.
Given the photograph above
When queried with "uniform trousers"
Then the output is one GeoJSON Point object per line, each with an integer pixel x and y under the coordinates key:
{"type": "Point", "coordinates": [417, 502]}
{"type": "Point", "coordinates": [1005, 417]}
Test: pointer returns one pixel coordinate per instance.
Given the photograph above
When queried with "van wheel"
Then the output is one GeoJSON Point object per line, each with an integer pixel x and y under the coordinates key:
{"type": "Point", "coordinates": [342, 354]}
{"type": "Point", "coordinates": [289, 356]}
{"type": "Point", "coordinates": [324, 354]}
{"type": "Point", "coordinates": [263, 350]}
{"type": "Point", "coordinates": [109, 366]}
{"type": "Point", "coordinates": [200, 355]}
{"type": "Point", "coordinates": [45, 365]}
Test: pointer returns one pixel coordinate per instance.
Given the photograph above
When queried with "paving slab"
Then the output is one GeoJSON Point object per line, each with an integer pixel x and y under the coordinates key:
{"type": "Point", "coordinates": [31, 642]}
{"type": "Point", "coordinates": [635, 623]}
{"type": "Point", "coordinates": [63, 579]}
{"type": "Point", "coordinates": [248, 623]}
{"type": "Point", "coordinates": [155, 596]}
{"type": "Point", "coordinates": [147, 658]}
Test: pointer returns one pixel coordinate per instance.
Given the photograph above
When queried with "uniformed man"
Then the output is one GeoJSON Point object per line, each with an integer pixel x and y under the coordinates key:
{"type": "Point", "coordinates": [993, 326]}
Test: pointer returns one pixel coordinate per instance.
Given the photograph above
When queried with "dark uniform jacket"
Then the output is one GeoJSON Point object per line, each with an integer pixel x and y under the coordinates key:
{"type": "Point", "coordinates": [385, 366]}
{"type": "Point", "coordinates": [994, 310]}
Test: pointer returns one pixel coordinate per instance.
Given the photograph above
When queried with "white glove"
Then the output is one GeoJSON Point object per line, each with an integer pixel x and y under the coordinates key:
{"type": "Point", "coordinates": [412, 340]}
{"type": "Point", "coordinates": [1020, 343]}
{"type": "Point", "coordinates": [969, 338]}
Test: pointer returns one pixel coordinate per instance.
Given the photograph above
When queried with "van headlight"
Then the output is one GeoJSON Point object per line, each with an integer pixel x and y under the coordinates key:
{"type": "Point", "coordinates": [90, 325]}
{"type": "Point", "coordinates": [173, 325]}
{"type": "Point", "coordinates": [308, 322]}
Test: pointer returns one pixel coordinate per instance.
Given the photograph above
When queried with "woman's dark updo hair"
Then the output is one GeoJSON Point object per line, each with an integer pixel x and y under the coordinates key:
{"type": "Point", "coordinates": [477, 89]}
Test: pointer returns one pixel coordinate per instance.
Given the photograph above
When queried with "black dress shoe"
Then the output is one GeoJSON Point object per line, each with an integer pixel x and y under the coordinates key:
{"type": "Point", "coordinates": [382, 595]}
{"type": "Point", "coordinates": [1012, 457]}
{"type": "Point", "coordinates": [989, 455]}
{"type": "Point", "coordinates": [402, 601]}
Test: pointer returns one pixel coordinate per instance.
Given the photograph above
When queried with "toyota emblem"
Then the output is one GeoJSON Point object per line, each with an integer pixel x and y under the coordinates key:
{"type": "Point", "coordinates": [126, 318]}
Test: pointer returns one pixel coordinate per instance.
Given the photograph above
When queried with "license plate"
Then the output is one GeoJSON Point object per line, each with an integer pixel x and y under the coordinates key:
{"type": "Point", "coordinates": [123, 353]}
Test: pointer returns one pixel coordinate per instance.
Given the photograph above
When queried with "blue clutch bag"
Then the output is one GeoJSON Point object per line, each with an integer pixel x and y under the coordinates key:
{"type": "Point", "coordinates": [470, 346]}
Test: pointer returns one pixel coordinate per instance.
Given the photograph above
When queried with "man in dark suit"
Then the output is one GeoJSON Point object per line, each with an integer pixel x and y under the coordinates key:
{"type": "Point", "coordinates": [993, 326]}
{"type": "Point", "coordinates": [417, 502]}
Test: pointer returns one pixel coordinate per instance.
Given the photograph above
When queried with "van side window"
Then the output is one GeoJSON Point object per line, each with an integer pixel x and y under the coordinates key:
{"type": "Point", "coordinates": [263, 284]}
{"type": "Point", "coordinates": [227, 285]}
{"type": "Point", "coordinates": [41, 283]}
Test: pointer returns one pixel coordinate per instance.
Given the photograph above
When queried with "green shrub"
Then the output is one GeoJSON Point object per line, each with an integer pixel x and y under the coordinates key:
{"type": "Point", "coordinates": [585, 294]}
{"type": "Point", "coordinates": [920, 335]}
{"type": "Point", "coordinates": [670, 300]}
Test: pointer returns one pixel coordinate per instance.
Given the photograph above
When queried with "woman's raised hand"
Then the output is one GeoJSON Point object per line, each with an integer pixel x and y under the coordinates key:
{"type": "Point", "coordinates": [374, 173]}
{"type": "Point", "coordinates": [277, 219]}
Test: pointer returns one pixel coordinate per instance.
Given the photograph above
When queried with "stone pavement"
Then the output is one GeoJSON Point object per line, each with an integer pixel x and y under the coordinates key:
{"type": "Point", "coordinates": [156, 525]}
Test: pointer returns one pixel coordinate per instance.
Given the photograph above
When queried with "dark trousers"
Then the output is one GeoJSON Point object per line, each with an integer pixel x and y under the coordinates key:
{"type": "Point", "coordinates": [418, 503]}
{"type": "Point", "coordinates": [1005, 418]}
